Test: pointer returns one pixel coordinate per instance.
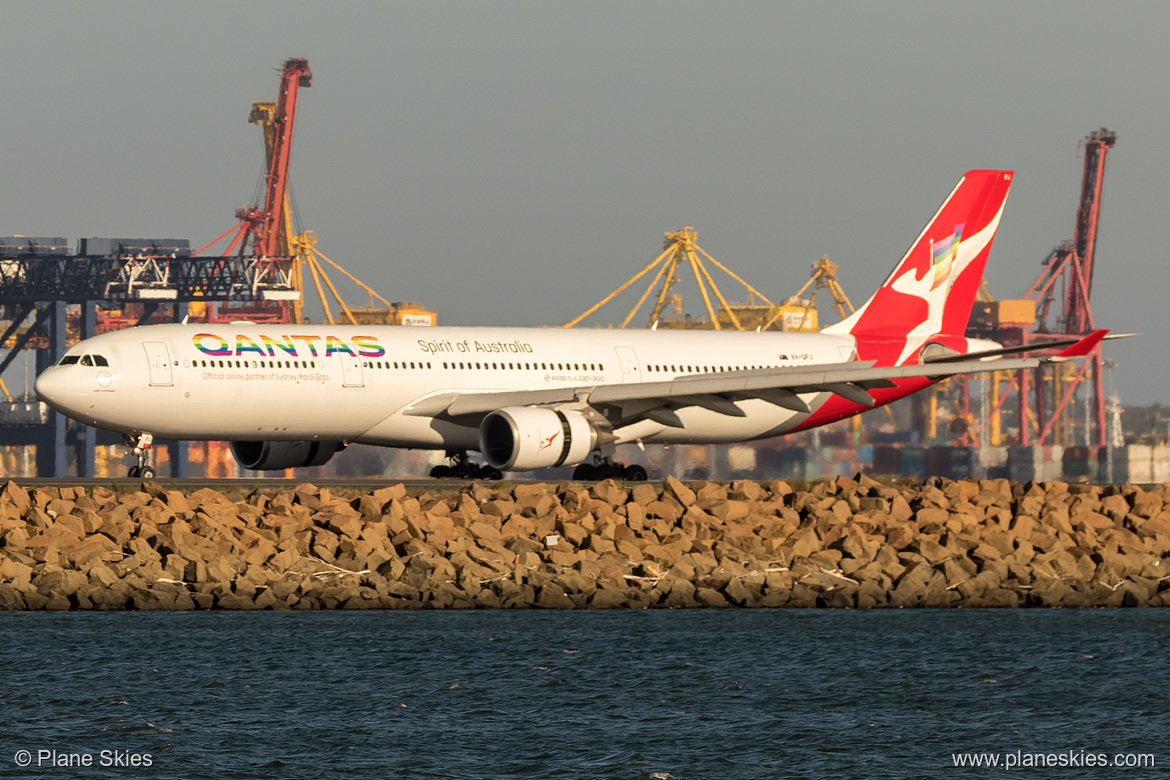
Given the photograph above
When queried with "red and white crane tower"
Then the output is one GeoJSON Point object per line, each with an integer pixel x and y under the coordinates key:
{"type": "Point", "coordinates": [1056, 306]}
{"type": "Point", "coordinates": [263, 227]}
{"type": "Point", "coordinates": [1063, 306]}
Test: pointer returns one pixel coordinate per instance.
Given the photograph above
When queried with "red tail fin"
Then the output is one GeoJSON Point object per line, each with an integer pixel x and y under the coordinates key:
{"type": "Point", "coordinates": [931, 291]}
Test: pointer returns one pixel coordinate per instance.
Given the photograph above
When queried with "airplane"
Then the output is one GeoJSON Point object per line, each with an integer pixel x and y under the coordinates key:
{"type": "Point", "coordinates": [289, 395]}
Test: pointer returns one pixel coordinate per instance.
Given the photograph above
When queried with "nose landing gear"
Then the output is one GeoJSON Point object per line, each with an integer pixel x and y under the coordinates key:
{"type": "Point", "coordinates": [141, 444]}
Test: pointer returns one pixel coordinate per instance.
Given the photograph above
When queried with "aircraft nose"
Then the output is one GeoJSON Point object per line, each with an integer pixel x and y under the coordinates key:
{"type": "Point", "coordinates": [52, 387]}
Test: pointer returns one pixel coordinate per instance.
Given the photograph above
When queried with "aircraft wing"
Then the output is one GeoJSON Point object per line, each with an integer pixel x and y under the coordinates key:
{"type": "Point", "coordinates": [715, 391]}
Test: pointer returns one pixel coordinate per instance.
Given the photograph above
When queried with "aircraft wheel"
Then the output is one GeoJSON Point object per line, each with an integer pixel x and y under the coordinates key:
{"type": "Point", "coordinates": [146, 472]}
{"type": "Point", "coordinates": [634, 473]}
{"type": "Point", "coordinates": [489, 472]}
{"type": "Point", "coordinates": [606, 471]}
{"type": "Point", "coordinates": [440, 471]}
{"type": "Point", "coordinates": [584, 473]}
{"type": "Point", "coordinates": [133, 472]}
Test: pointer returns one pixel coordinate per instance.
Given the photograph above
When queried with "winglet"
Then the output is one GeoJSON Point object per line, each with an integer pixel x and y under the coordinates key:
{"type": "Point", "coordinates": [1082, 347]}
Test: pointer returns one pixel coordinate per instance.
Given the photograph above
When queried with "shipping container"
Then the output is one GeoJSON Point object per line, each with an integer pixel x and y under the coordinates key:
{"type": "Point", "coordinates": [912, 462]}
{"type": "Point", "coordinates": [886, 460]}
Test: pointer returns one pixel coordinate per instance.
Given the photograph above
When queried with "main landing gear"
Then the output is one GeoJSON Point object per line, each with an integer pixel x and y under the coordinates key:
{"type": "Point", "coordinates": [141, 444]}
{"type": "Point", "coordinates": [605, 468]}
{"type": "Point", "coordinates": [462, 468]}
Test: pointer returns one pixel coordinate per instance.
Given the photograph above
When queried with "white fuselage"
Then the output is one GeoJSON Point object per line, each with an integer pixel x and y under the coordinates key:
{"type": "Point", "coordinates": [353, 384]}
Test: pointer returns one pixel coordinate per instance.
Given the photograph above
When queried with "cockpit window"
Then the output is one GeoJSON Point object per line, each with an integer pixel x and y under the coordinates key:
{"type": "Point", "coordinates": [100, 360]}
{"type": "Point", "coordinates": [69, 360]}
{"type": "Point", "coordinates": [86, 360]}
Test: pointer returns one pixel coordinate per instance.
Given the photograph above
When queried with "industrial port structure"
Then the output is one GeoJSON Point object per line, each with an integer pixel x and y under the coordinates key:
{"type": "Point", "coordinates": [51, 295]}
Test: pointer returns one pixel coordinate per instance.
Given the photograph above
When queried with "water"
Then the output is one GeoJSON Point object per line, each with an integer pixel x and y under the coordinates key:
{"type": "Point", "coordinates": [648, 695]}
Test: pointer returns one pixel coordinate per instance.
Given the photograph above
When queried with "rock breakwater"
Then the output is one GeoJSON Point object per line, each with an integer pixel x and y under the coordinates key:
{"type": "Point", "coordinates": [841, 543]}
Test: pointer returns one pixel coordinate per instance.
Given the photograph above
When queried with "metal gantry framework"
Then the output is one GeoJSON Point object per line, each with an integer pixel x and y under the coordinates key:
{"type": "Point", "coordinates": [138, 277]}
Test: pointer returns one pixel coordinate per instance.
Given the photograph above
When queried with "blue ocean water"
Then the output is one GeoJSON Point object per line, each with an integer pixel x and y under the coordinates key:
{"type": "Point", "coordinates": [651, 695]}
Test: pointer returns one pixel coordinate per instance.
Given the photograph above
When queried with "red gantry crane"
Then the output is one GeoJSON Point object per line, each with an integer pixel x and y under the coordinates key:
{"type": "Point", "coordinates": [263, 227]}
{"type": "Point", "coordinates": [1057, 306]}
{"type": "Point", "coordinates": [1068, 275]}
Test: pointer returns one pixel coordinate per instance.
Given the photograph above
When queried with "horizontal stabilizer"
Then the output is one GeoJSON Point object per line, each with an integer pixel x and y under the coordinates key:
{"type": "Point", "coordinates": [1084, 346]}
{"type": "Point", "coordinates": [1077, 347]}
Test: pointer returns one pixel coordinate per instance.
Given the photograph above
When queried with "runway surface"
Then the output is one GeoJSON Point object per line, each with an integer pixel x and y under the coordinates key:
{"type": "Point", "coordinates": [260, 483]}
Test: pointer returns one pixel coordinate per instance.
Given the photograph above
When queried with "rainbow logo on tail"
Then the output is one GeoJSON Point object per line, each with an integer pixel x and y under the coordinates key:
{"type": "Point", "coordinates": [944, 253]}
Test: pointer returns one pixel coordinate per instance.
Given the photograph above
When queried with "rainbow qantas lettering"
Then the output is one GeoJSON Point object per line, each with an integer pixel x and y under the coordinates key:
{"type": "Point", "coordinates": [291, 345]}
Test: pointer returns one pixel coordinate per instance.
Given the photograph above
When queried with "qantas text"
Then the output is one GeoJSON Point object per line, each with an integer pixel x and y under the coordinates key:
{"type": "Point", "coordinates": [293, 346]}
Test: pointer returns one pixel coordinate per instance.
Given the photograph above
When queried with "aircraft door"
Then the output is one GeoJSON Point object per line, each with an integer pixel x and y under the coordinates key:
{"type": "Point", "coordinates": [351, 371]}
{"type": "Point", "coordinates": [628, 360]}
{"type": "Point", "coordinates": [158, 357]}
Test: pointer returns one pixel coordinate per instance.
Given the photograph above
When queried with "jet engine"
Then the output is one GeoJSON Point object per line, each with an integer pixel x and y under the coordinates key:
{"type": "Point", "coordinates": [279, 455]}
{"type": "Point", "coordinates": [530, 437]}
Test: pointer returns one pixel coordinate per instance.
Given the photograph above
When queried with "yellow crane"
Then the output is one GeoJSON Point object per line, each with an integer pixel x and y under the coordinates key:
{"type": "Point", "coordinates": [681, 250]}
{"type": "Point", "coordinates": [824, 277]}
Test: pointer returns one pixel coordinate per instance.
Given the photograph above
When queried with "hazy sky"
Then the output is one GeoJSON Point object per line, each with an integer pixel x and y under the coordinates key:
{"type": "Point", "coordinates": [511, 163]}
